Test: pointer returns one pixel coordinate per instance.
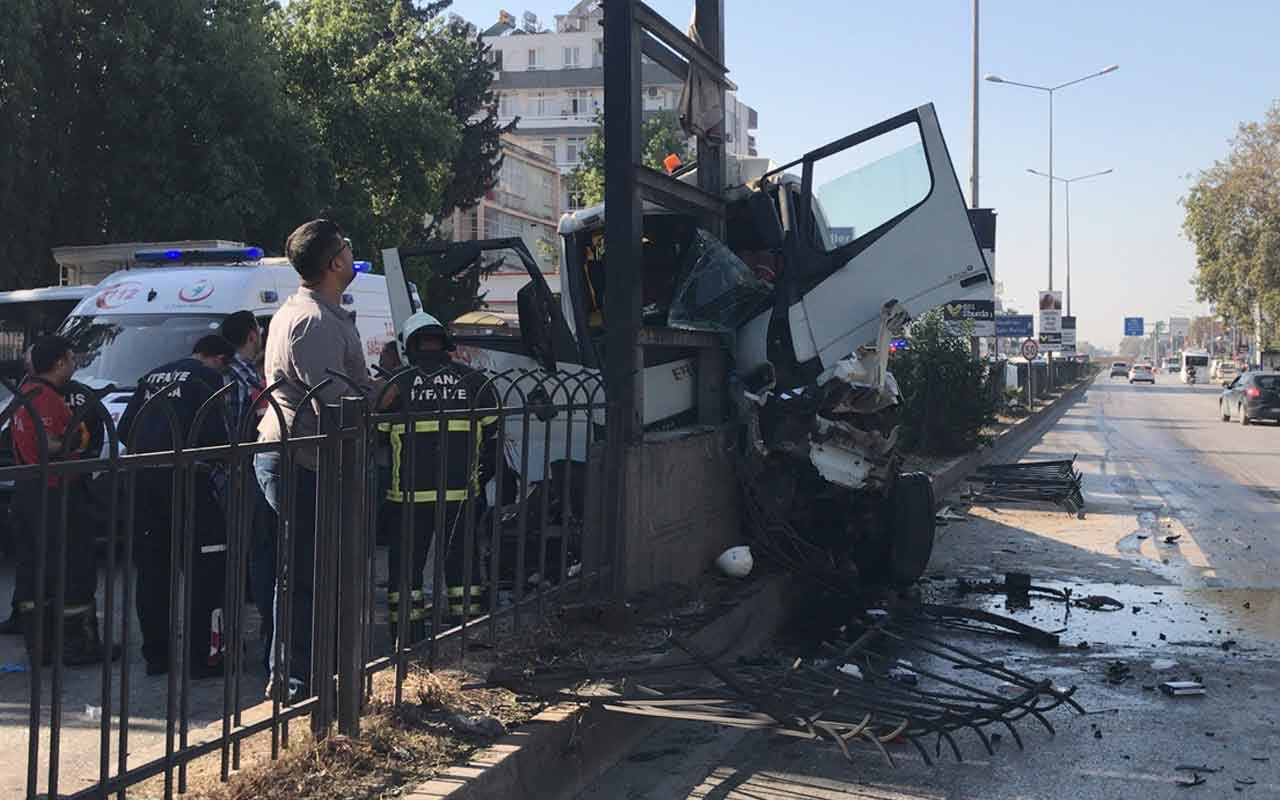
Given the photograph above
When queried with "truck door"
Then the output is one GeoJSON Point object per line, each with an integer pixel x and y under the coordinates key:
{"type": "Point", "coordinates": [881, 217]}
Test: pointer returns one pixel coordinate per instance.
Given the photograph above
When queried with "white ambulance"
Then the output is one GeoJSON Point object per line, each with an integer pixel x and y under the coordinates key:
{"type": "Point", "coordinates": [155, 311]}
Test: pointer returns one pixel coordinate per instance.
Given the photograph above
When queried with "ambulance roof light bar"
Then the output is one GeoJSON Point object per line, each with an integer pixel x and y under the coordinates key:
{"type": "Point", "coordinates": [220, 255]}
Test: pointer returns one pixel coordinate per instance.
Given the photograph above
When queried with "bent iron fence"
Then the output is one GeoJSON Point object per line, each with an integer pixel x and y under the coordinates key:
{"type": "Point", "coordinates": [527, 540]}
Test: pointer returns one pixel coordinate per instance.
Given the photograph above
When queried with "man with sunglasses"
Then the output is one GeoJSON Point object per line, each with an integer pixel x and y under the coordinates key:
{"type": "Point", "coordinates": [311, 337]}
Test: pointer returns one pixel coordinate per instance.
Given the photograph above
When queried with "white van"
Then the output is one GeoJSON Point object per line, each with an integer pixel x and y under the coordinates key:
{"type": "Point", "coordinates": [1195, 366]}
{"type": "Point", "coordinates": [140, 318]}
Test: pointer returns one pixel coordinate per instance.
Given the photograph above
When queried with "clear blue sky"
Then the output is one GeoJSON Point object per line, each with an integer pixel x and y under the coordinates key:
{"type": "Point", "coordinates": [1189, 73]}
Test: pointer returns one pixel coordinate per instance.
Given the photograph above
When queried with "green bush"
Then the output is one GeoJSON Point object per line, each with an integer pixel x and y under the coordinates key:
{"type": "Point", "coordinates": [946, 394]}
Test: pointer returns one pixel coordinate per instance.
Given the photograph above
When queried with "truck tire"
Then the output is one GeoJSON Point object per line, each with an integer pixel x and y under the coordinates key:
{"type": "Point", "coordinates": [897, 554]}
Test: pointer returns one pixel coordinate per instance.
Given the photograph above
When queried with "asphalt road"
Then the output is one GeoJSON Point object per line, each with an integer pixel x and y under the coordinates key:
{"type": "Point", "coordinates": [1183, 527]}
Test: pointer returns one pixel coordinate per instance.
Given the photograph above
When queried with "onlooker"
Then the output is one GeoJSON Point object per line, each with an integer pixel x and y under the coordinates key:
{"type": "Point", "coordinates": [310, 335]}
{"type": "Point", "coordinates": [52, 365]}
{"type": "Point", "coordinates": [187, 385]}
{"type": "Point", "coordinates": [245, 402]}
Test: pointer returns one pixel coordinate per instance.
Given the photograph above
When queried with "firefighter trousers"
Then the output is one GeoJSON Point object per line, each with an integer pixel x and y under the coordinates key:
{"type": "Point", "coordinates": [154, 558]}
{"type": "Point", "coordinates": [450, 546]}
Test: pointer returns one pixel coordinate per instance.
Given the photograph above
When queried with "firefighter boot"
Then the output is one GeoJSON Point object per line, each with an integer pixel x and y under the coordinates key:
{"type": "Point", "coordinates": [417, 618]}
{"type": "Point", "coordinates": [83, 644]}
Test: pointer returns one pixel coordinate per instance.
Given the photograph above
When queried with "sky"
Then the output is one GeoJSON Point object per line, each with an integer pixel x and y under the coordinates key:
{"type": "Point", "coordinates": [1190, 72]}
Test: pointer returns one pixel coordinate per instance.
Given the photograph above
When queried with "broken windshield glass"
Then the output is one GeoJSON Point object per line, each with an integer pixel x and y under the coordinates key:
{"type": "Point", "coordinates": [718, 292]}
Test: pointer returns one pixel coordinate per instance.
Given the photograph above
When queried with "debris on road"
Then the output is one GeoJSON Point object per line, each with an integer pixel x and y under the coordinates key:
{"type": "Point", "coordinates": [1195, 780]}
{"type": "Point", "coordinates": [736, 562]}
{"type": "Point", "coordinates": [1182, 688]}
{"type": "Point", "coordinates": [481, 726]}
{"type": "Point", "coordinates": [1032, 482]}
{"type": "Point", "coordinates": [946, 515]}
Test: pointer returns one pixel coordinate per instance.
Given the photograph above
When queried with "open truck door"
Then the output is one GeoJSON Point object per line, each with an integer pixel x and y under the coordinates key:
{"type": "Point", "coordinates": [878, 216]}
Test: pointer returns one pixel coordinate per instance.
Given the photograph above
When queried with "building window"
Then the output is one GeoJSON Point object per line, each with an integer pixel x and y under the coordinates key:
{"type": "Point", "coordinates": [540, 105]}
{"type": "Point", "coordinates": [506, 105]}
{"type": "Point", "coordinates": [572, 57]}
{"type": "Point", "coordinates": [495, 59]}
{"type": "Point", "coordinates": [579, 102]}
{"type": "Point", "coordinates": [549, 148]}
{"type": "Point", "coordinates": [535, 58]}
{"type": "Point", "coordinates": [653, 92]}
{"type": "Point", "coordinates": [573, 149]}
{"type": "Point", "coordinates": [573, 201]}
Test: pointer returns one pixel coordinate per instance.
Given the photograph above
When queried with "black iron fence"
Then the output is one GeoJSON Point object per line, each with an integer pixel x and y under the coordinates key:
{"type": "Point", "coordinates": [480, 494]}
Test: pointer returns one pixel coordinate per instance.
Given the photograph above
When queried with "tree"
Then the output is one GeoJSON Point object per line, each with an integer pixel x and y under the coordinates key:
{"type": "Point", "coordinates": [946, 393]}
{"type": "Point", "coordinates": [399, 102]}
{"type": "Point", "coordinates": [149, 120]}
{"type": "Point", "coordinates": [1233, 219]}
{"type": "Point", "coordinates": [662, 136]}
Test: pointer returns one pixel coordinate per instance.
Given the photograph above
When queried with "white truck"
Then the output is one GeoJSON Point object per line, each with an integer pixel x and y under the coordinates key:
{"type": "Point", "coordinates": [818, 270]}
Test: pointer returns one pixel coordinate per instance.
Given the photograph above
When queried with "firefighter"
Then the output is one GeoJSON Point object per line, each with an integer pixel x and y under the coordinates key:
{"type": "Point", "coordinates": [438, 383]}
{"type": "Point", "coordinates": [190, 383]}
{"type": "Point", "coordinates": [52, 364]}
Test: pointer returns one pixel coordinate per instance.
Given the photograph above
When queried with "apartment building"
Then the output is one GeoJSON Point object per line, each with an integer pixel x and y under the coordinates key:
{"type": "Point", "coordinates": [526, 203]}
{"type": "Point", "coordinates": [553, 80]}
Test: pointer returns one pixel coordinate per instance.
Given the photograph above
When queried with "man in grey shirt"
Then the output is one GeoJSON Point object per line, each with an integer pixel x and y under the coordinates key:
{"type": "Point", "coordinates": [310, 335]}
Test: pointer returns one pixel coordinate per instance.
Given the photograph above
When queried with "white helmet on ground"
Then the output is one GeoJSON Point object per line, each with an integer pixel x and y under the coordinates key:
{"type": "Point", "coordinates": [420, 323]}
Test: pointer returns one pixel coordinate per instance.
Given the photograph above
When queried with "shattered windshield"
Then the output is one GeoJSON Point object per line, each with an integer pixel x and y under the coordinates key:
{"type": "Point", "coordinates": [718, 292]}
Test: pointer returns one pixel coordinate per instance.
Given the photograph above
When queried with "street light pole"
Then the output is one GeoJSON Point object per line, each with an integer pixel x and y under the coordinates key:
{"type": "Point", "coordinates": [1050, 90]}
{"type": "Point", "coordinates": [973, 157]}
{"type": "Point", "coordinates": [1067, 188]}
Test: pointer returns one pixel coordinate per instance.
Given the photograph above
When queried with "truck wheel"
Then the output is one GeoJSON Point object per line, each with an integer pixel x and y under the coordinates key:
{"type": "Point", "coordinates": [897, 553]}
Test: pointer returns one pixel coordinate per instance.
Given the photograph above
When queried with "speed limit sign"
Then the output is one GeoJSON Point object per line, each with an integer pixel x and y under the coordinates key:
{"type": "Point", "coordinates": [1030, 349]}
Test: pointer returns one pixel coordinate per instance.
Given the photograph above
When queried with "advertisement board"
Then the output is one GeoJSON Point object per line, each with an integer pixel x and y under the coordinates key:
{"type": "Point", "coordinates": [982, 313]}
{"type": "Point", "coordinates": [1068, 335]}
{"type": "Point", "coordinates": [1050, 307]}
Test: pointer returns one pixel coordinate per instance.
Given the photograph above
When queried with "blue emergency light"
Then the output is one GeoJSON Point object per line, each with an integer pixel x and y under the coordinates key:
{"type": "Point", "coordinates": [363, 266]}
{"type": "Point", "coordinates": [223, 255]}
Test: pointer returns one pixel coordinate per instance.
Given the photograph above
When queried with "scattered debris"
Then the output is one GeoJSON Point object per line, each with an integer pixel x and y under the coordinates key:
{"type": "Point", "coordinates": [736, 562]}
{"type": "Point", "coordinates": [1246, 781]}
{"type": "Point", "coordinates": [1033, 481]}
{"type": "Point", "coordinates": [1196, 780]}
{"type": "Point", "coordinates": [1197, 768]}
{"type": "Point", "coordinates": [482, 726]}
{"type": "Point", "coordinates": [1163, 664]}
{"type": "Point", "coordinates": [1172, 538]}
{"type": "Point", "coordinates": [93, 713]}
{"type": "Point", "coordinates": [1228, 644]}
{"type": "Point", "coordinates": [851, 670]}
{"type": "Point", "coordinates": [1118, 672]}
{"type": "Point", "coordinates": [946, 515]}
{"type": "Point", "coordinates": [1182, 688]}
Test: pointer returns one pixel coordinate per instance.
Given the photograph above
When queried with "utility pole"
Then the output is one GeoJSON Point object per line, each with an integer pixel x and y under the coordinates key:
{"type": "Point", "coordinates": [973, 156]}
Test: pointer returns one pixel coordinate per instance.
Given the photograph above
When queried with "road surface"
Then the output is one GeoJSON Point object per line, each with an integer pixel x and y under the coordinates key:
{"type": "Point", "coordinates": [1183, 527]}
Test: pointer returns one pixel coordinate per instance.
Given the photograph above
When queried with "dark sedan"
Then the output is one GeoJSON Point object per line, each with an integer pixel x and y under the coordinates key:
{"type": "Point", "coordinates": [1251, 396]}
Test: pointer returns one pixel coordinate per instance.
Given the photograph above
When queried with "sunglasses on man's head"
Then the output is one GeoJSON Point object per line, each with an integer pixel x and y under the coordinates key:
{"type": "Point", "coordinates": [346, 245]}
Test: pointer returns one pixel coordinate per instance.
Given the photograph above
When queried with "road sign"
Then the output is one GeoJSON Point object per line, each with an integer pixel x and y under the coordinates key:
{"type": "Point", "coordinates": [1030, 349]}
{"type": "Point", "coordinates": [981, 313]}
{"type": "Point", "coordinates": [1050, 341]}
{"type": "Point", "coordinates": [1018, 326]}
{"type": "Point", "coordinates": [1133, 326]}
{"type": "Point", "coordinates": [1068, 335]}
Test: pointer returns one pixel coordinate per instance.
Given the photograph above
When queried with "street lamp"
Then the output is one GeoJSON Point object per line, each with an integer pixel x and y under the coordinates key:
{"type": "Point", "coordinates": [1067, 187]}
{"type": "Point", "coordinates": [1049, 90]}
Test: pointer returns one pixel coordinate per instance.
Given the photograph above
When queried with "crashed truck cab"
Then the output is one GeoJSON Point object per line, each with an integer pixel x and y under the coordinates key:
{"type": "Point", "coordinates": [822, 262]}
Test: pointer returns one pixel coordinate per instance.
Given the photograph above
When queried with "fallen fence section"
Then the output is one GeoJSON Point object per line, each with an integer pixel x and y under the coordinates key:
{"type": "Point", "coordinates": [895, 682]}
{"type": "Point", "coordinates": [1032, 482]}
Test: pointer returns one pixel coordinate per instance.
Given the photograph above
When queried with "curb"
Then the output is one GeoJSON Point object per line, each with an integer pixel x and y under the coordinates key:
{"type": "Point", "coordinates": [1013, 441]}
{"type": "Point", "coordinates": [563, 749]}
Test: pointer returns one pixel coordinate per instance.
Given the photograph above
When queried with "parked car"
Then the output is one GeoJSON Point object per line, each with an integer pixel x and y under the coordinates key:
{"type": "Point", "coordinates": [1141, 373]}
{"type": "Point", "coordinates": [1225, 371]}
{"type": "Point", "coordinates": [1119, 369]}
{"type": "Point", "coordinates": [1251, 396]}
{"type": "Point", "coordinates": [1172, 365]}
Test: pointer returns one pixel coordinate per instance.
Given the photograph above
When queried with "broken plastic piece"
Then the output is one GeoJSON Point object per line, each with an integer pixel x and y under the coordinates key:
{"type": "Point", "coordinates": [851, 670]}
{"type": "Point", "coordinates": [1182, 688]}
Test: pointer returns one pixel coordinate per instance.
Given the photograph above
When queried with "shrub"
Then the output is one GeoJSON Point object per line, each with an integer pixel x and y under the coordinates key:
{"type": "Point", "coordinates": [946, 395]}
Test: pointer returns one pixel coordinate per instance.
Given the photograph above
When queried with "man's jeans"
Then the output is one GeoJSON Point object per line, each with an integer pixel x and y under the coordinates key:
{"type": "Point", "coordinates": [298, 573]}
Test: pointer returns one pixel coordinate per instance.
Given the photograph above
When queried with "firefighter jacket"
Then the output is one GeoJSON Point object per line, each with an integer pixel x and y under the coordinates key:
{"type": "Point", "coordinates": [193, 384]}
{"type": "Point", "coordinates": [454, 408]}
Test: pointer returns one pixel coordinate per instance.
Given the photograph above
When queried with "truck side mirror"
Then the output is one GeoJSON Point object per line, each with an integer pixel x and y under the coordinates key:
{"type": "Point", "coordinates": [765, 220]}
{"type": "Point", "coordinates": [537, 323]}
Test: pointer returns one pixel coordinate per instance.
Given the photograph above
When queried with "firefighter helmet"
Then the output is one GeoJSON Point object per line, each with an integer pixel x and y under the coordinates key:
{"type": "Point", "coordinates": [422, 323]}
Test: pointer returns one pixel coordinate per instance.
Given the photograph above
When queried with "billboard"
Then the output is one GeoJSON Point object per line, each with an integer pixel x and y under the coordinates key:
{"type": "Point", "coordinates": [1068, 335]}
{"type": "Point", "coordinates": [1180, 326]}
{"type": "Point", "coordinates": [1050, 306]}
{"type": "Point", "coordinates": [982, 313]}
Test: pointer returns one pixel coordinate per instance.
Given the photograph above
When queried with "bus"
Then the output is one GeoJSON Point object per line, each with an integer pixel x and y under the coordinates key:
{"type": "Point", "coordinates": [1195, 366]}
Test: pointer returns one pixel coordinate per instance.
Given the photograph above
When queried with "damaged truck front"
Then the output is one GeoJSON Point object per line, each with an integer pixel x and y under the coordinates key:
{"type": "Point", "coordinates": [822, 262]}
